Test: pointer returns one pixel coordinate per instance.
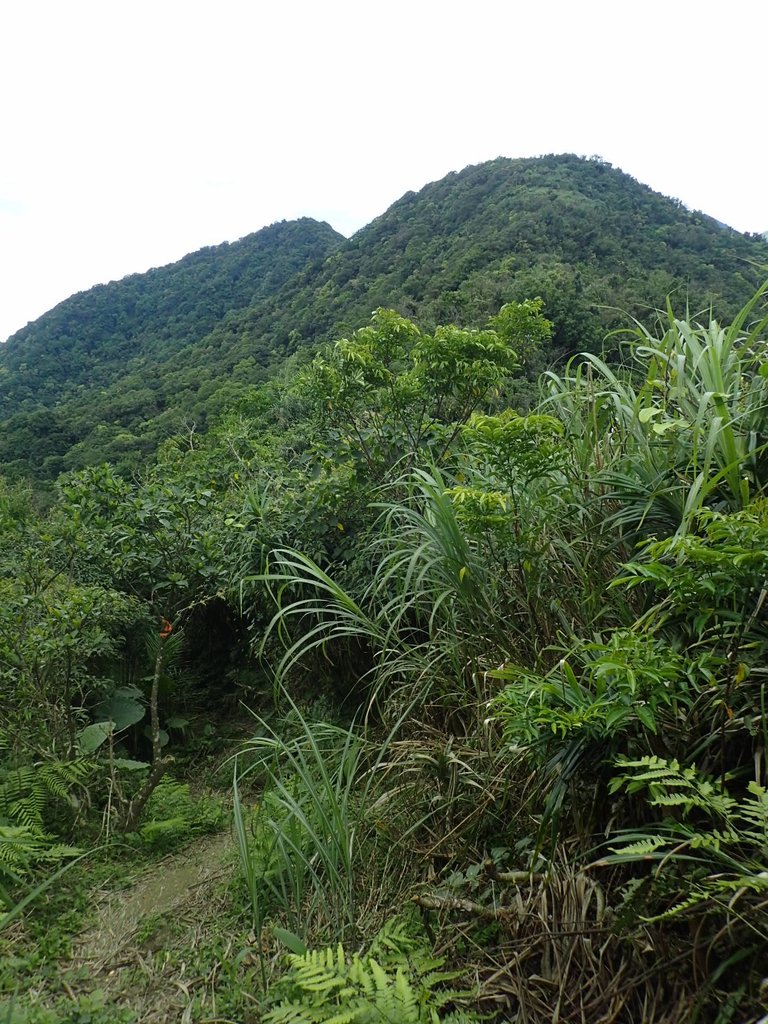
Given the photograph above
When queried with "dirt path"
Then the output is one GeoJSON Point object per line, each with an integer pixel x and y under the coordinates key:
{"type": "Point", "coordinates": [147, 951]}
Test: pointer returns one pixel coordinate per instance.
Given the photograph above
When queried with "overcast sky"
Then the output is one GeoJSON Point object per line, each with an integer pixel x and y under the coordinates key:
{"type": "Point", "coordinates": [135, 132]}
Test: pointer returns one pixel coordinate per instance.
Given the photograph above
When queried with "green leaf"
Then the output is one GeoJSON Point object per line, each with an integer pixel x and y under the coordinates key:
{"type": "Point", "coordinates": [647, 414]}
{"type": "Point", "coordinates": [128, 764]}
{"type": "Point", "coordinates": [289, 939]}
{"type": "Point", "coordinates": [661, 428]}
{"type": "Point", "coordinates": [163, 736]}
{"type": "Point", "coordinates": [92, 736]}
{"type": "Point", "coordinates": [122, 709]}
{"type": "Point", "coordinates": [645, 715]}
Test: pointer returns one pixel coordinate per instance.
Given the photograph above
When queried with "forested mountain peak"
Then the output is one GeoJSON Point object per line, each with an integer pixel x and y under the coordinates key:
{"type": "Point", "coordinates": [178, 302]}
{"type": "Point", "coordinates": [589, 239]}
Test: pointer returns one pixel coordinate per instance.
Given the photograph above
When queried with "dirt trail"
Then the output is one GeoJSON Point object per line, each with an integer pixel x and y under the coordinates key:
{"type": "Point", "coordinates": [176, 903]}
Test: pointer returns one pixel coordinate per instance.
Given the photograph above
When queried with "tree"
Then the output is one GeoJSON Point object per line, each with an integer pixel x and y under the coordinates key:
{"type": "Point", "coordinates": [391, 391]}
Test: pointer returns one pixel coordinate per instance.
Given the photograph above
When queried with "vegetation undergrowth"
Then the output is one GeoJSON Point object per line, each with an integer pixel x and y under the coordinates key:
{"type": "Point", "coordinates": [507, 675]}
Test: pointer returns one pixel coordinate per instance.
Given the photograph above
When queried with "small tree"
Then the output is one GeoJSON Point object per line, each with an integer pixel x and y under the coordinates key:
{"type": "Point", "coordinates": [391, 391]}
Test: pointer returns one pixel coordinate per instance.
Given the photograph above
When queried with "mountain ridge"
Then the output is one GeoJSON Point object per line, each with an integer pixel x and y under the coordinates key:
{"type": "Point", "coordinates": [585, 236]}
{"type": "Point", "coordinates": [226, 277]}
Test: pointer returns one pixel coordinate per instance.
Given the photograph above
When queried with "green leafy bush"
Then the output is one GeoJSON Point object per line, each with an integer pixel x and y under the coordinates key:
{"type": "Point", "coordinates": [173, 815]}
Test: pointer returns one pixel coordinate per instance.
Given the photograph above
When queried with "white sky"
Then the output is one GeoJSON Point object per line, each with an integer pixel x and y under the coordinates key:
{"type": "Point", "coordinates": [134, 132]}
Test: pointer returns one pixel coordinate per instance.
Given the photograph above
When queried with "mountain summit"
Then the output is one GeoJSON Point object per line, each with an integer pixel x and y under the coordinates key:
{"type": "Point", "coordinates": [110, 372]}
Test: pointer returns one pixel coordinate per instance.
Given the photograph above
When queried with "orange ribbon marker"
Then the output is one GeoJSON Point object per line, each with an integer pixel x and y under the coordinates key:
{"type": "Point", "coordinates": [166, 629]}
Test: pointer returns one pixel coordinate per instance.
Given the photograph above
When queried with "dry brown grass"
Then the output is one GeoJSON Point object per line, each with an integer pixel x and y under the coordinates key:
{"type": "Point", "coordinates": [554, 954]}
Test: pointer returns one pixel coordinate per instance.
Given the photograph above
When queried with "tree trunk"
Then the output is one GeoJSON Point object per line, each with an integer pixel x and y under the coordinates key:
{"type": "Point", "coordinates": [160, 764]}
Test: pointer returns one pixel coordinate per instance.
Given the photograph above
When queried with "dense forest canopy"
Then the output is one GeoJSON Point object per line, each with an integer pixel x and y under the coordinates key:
{"type": "Point", "coordinates": [112, 372]}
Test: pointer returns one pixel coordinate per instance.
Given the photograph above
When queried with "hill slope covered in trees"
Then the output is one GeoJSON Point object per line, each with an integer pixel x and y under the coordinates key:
{"type": "Point", "coordinates": [111, 372]}
{"type": "Point", "coordinates": [104, 365]}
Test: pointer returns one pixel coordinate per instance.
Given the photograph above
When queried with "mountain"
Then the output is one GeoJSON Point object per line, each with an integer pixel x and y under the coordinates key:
{"type": "Point", "coordinates": [110, 372]}
{"type": "Point", "coordinates": [94, 377]}
{"type": "Point", "coordinates": [591, 240]}
{"type": "Point", "coordinates": [88, 338]}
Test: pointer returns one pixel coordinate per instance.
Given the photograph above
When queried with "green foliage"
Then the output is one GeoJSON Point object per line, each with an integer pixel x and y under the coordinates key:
{"type": "Point", "coordinates": [718, 570]}
{"type": "Point", "coordinates": [26, 791]}
{"type": "Point", "coordinates": [173, 816]}
{"type": "Point", "coordinates": [332, 613]}
{"type": "Point", "coordinates": [93, 1008]}
{"type": "Point", "coordinates": [111, 373]}
{"type": "Point", "coordinates": [624, 683]}
{"type": "Point", "coordinates": [59, 635]}
{"type": "Point", "coordinates": [31, 802]}
{"type": "Point", "coordinates": [307, 845]}
{"type": "Point", "coordinates": [415, 613]}
{"type": "Point", "coordinates": [524, 448]}
{"type": "Point", "coordinates": [396, 981]}
{"type": "Point", "coordinates": [391, 391]}
{"type": "Point", "coordinates": [711, 846]}
{"type": "Point", "coordinates": [605, 697]}
{"type": "Point", "coordinates": [155, 538]}
{"type": "Point", "coordinates": [21, 850]}
{"type": "Point", "coordinates": [708, 590]}
{"type": "Point", "coordinates": [681, 428]}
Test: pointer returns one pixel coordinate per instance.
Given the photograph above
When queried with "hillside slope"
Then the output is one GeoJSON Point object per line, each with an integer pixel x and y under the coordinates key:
{"type": "Point", "coordinates": [94, 371]}
{"type": "Point", "coordinates": [588, 238]}
{"type": "Point", "coordinates": [592, 241]}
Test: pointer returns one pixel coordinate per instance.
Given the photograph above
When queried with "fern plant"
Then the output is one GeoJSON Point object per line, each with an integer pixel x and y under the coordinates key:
{"type": "Point", "coordinates": [27, 791]}
{"type": "Point", "coordinates": [703, 824]}
{"type": "Point", "coordinates": [26, 794]}
{"type": "Point", "coordinates": [397, 982]}
{"type": "Point", "coordinates": [20, 849]}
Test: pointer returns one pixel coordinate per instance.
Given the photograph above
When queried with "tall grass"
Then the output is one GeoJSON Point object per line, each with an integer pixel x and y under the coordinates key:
{"type": "Point", "coordinates": [310, 850]}
{"type": "Point", "coordinates": [683, 426]}
{"type": "Point", "coordinates": [425, 595]}
{"type": "Point", "coordinates": [307, 825]}
{"type": "Point", "coordinates": [324, 612]}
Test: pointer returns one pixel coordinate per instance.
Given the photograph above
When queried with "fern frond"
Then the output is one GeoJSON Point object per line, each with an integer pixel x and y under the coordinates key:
{"type": "Point", "coordinates": [170, 647]}
{"type": "Point", "coordinates": [21, 847]}
{"type": "Point", "coordinates": [641, 848]}
{"type": "Point", "coordinates": [405, 995]}
{"type": "Point", "coordinates": [25, 791]}
{"type": "Point", "coordinates": [394, 940]}
{"type": "Point", "coordinates": [28, 811]}
{"type": "Point", "coordinates": [431, 982]}
{"type": "Point", "coordinates": [327, 987]}
{"type": "Point", "coordinates": [292, 1013]}
{"type": "Point", "coordinates": [697, 896]}
{"type": "Point", "coordinates": [757, 883]}
{"type": "Point", "coordinates": [345, 1017]}
{"type": "Point", "coordinates": [379, 976]}
{"type": "Point", "coordinates": [17, 844]}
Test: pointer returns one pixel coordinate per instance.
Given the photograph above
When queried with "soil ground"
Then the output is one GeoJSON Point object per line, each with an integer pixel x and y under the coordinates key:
{"type": "Point", "coordinates": [157, 948]}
